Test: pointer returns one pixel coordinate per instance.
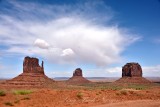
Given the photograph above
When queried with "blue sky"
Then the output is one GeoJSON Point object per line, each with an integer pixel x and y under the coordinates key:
{"type": "Point", "coordinates": [100, 36]}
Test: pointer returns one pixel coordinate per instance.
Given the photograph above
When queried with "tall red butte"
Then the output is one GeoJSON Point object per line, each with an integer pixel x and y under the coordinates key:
{"type": "Point", "coordinates": [132, 73]}
{"type": "Point", "coordinates": [31, 65]}
{"type": "Point", "coordinates": [33, 74]}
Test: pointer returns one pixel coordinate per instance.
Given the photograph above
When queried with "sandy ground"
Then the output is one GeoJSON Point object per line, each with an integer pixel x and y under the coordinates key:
{"type": "Point", "coordinates": [136, 103]}
{"type": "Point", "coordinates": [80, 96]}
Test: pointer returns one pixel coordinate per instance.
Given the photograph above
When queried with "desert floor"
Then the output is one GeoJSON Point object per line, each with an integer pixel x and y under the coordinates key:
{"type": "Point", "coordinates": [98, 94]}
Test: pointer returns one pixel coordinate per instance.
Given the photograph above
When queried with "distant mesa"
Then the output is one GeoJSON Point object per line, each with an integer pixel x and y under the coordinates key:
{"type": "Point", "coordinates": [132, 73]}
{"type": "Point", "coordinates": [77, 77]}
{"type": "Point", "coordinates": [33, 74]}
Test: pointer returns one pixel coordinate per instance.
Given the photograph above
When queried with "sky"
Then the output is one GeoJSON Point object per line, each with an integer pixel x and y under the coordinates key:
{"type": "Point", "coordinates": [98, 36]}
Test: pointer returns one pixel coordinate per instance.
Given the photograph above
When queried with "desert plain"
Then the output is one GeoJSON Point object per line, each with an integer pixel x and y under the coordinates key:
{"type": "Point", "coordinates": [94, 94]}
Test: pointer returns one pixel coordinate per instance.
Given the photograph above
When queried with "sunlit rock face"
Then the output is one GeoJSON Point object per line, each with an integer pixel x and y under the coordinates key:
{"type": "Point", "coordinates": [31, 65]}
{"type": "Point", "coordinates": [132, 70]}
{"type": "Point", "coordinates": [33, 75]}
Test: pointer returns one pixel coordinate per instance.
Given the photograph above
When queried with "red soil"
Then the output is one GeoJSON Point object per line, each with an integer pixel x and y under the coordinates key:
{"type": "Point", "coordinates": [77, 80]}
{"type": "Point", "coordinates": [78, 97]}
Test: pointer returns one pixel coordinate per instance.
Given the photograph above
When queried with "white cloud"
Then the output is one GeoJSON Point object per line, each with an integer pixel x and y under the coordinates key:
{"type": "Point", "coordinates": [114, 70]}
{"type": "Point", "coordinates": [67, 52]}
{"type": "Point", "coordinates": [41, 44]}
{"type": "Point", "coordinates": [74, 37]}
{"type": "Point", "coordinates": [151, 71]}
{"type": "Point", "coordinates": [1, 66]}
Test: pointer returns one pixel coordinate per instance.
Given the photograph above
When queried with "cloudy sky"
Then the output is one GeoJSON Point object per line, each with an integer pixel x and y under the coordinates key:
{"type": "Point", "coordinates": [99, 36]}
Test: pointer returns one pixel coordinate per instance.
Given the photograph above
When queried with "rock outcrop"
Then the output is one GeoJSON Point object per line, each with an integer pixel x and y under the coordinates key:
{"type": "Point", "coordinates": [33, 75]}
{"type": "Point", "coordinates": [132, 70]}
{"type": "Point", "coordinates": [77, 72]}
{"type": "Point", "coordinates": [77, 77]}
{"type": "Point", "coordinates": [132, 73]}
{"type": "Point", "coordinates": [31, 65]}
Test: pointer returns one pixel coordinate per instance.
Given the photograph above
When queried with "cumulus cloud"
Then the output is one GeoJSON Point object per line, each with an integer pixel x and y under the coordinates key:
{"type": "Point", "coordinates": [67, 52]}
{"type": "Point", "coordinates": [75, 37]}
{"type": "Point", "coordinates": [41, 44]}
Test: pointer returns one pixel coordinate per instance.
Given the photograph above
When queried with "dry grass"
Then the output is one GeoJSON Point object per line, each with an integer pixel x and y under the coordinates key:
{"type": "Point", "coordinates": [22, 92]}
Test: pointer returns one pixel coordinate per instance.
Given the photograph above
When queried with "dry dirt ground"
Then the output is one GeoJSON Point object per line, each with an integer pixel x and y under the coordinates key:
{"type": "Point", "coordinates": [84, 95]}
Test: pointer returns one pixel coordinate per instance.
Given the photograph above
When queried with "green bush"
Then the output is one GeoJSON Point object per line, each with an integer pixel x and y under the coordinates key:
{"type": "Point", "coordinates": [22, 92]}
{"type": "Point", "coordinates": [2, 93]}
{"type": "Point", "coordinates": [79, 95]}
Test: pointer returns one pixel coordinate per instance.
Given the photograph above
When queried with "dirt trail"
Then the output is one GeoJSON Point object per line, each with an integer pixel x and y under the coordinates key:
{"type": "Point", "coordinates": [137, 103]}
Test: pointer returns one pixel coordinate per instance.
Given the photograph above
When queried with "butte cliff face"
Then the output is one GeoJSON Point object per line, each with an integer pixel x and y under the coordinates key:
{"type": "Point", "coordinates": [77, 77]}
{"type": "Point", "coordinates": [132, 70]}
{"type": "Point", "coordinates": [132, 73]}
{"type": "Point", "coordinates": [78, 72]}
{"type": "Point", "coordinates": [33, 75]}
{"type": "Point", "coordinates": [31, 65]}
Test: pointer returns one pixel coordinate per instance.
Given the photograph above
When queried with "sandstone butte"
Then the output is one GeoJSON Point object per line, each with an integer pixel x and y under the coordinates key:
{"type": "Point", "coordinates": [33, 74]}
{"type": "Point", "coordinates": [132, 73]}
{"type": "Point", "coordinates": [77, 77]}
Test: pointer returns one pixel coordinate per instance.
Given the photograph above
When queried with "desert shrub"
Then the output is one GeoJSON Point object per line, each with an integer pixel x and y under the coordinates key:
{"type": "Point", "coordinates": [2, 93]}
{"type": "Point", "coordinates": [8, 104]}
{"type": "Point", "coordinates": [79, 95]}
{"type": "Point", "coordinates": [99, 93]}
{"type": "Point", "coordinates": [117, 93]}
{"type": "Point", "coordinates": [16, 101]}
{"type": "Point", "coordinates": [102, 89]}
{"type": "Point", "coordinates": [116, 88]}
{"type": "Point", "coordinates": [131, 92]}
{"type": "Point", "coordinates": [138, 87]}
{"type": "Point", "coordinates": [123, 92]}
{"type": "Point", "coordinates": [22, 92]}
{"type": "Point", "coordinates": [25, 98]}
